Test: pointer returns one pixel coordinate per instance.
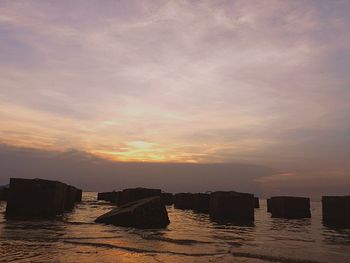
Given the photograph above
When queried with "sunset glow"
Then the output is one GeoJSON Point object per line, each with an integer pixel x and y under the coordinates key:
{"type": "Point", "coordinates": [254, 82]}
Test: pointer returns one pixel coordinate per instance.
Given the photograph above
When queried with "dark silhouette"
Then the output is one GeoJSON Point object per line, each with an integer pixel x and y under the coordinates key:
{"type": "Point", "coordinates": [4, 190]}
{"type": "Point", "coordinates": [184, 201]}
{"type": "Point", "coordinates": [201, 203]}
{"type": "Point", "coordinates": [108, 196]}
{"type": "Point", "coordinates": [133, 194]}
{"type": "Point", "coordinates": [168, 198]}
{"type": "Point", "coordinates": [256, 202]}
{"type": "Point", "coordinates": [40, 198]}
{"type": "Point", "coordinates": [290, 207]}
{"type": "Point", "coordinates": [336, 210]}
{"type": "Point", "coordinates": [268, 205]}
{"type": "Point", "coordinates": [231, 206]}
{"type": "Point", "coordinates": [72, 196]}
{"type": "Point", "coordinates": [144, 213]}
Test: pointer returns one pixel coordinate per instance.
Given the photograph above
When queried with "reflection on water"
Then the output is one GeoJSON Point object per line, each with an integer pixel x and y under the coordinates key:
{"type": "Point", "coordinates": [339, 236]}
{"type": "Point", "coordinates": [190, 237]}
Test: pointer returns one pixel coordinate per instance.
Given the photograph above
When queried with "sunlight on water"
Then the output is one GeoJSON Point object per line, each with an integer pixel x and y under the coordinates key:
{"type": "Point", "coordinates": [190, 237]}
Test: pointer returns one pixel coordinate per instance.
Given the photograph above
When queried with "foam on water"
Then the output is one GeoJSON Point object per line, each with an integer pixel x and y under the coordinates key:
{"type": "Point", "coordinates": [190, 237]}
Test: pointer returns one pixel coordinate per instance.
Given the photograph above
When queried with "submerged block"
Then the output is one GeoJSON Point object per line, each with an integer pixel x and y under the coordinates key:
{"type": "Point", "coordinates": [184, 201]}
{"type": "Point", "coordinates": [79, 195]}
{"type": "Point", "coordinates": [4, 190]}
{"type": "Point", "coordinates": [133, 194]}
{"type": "Point", "coordinates": [232, 206]}
{"type": "Point", "coordinates": [268, 205]}
{"type": "Point", "coordinates": [144, 213]}
{"type": "Point", "coordinates": [290, 207]}
{"type": "Point", "coordinates": [35, 197]}
{"type": "Point", "coordinates": [117, 197]}
{"type": "Point", "coordinates": [201, 202]}
{"type": "Point", "coordinates": [107, 196]}
{"type": "Point", "coordinates": [167, 198]}
{"type": "Point", "coordinates": [71, 197]}
{"type": "Point", "coordinates": [256, 202]}
{"type": "Point", "coordinates": [336, 210]}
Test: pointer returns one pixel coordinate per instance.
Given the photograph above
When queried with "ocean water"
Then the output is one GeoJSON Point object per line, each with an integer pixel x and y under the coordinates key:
{"type": "Point", "coordinates": [190, 237]}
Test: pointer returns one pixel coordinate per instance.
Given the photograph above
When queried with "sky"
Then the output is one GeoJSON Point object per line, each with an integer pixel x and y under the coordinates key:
{"type": "Point", "coordinates": [251, 95]}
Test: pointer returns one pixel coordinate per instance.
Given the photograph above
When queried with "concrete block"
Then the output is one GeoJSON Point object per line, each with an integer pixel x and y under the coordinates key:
{"type": "Point", "coordinates": [133, 194]}
{"type": "Point", "coordinates": [231, 206]}
{"type": "Point", "coordinates": [201, 202]}
{"type": "Point", "coordinates": [36, 197]}
{"type": "Point", "coordinates": [167, 198]}
{"type": "Point", "coordinates": [290, 207]}
{"type": "Point", "coordinates": [143, 213]}
{"type": "Point", "coordinates": [256, 202]}
{"type": "Point", "coordinates": [184, 200]}
{"type": "Point", "coordinates": [336, 210]}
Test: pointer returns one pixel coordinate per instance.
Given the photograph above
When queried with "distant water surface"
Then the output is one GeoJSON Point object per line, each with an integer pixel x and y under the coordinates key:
{"type": "Point", "coordinates": [190, 237]}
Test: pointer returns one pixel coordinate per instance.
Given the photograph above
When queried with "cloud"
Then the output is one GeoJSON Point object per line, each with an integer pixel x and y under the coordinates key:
{"type": "Point", "coordinates": [93, 173]}
{"type": "Point", "coordinates": [306, 182]}
{"type": "Point", "coordinates": [229, 81]}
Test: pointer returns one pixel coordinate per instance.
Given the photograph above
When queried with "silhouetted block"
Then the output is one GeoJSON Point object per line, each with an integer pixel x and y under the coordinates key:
{"type": "Point", "coordinates": [290, 207]}
{"type": "Point", "coordinates": [336, 210]}
{"type": "Point", "coordinates": [4, 190]}
{"type": "Point", "coordinates": [167, 198]}
{"type": "Point", "coordinates": [117, 196]}
{"type": "Point", "coordinates": [231, 206]}
{"type": "Point", "coordinates": [35, 197]}
{"type": "Point", "coordinates": [256, 202]}
{"type": "Point", "coordinates": [201, 202]}
{"type": "Point", "coordinates": [71, 197]}
{"type": "Point", "coordinates": [144, 213]}
{"type": "Point", "coordinates": [107, 196]}
{"type": "Point", "coordinates": [268, 205]}
{"type": "Point", "coordinates": [184, 201]}
{"type": "Point", "coordinates": [79, 195]}
{"type": "Point", "coordinates": [133, 194]}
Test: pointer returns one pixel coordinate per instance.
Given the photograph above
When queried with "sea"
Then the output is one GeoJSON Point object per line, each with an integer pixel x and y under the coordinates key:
{"type": "Point", "coordinates": [190, 237]}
